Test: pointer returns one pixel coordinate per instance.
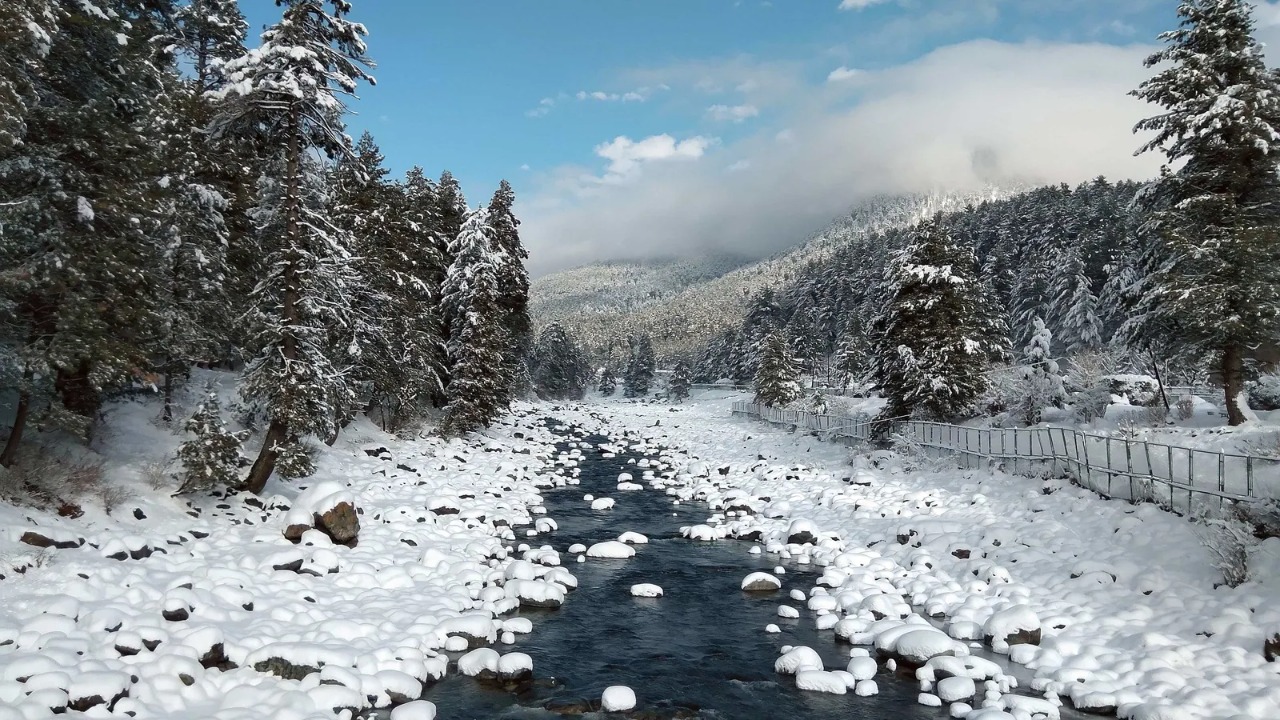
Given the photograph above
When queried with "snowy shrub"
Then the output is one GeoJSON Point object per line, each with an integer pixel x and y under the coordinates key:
{"type": "Point", "coordinates": [1127, 429]}
{"type": "Point", "coordinates": [297, 459]}
{"type": "Point", "coordinates": [155, 473]}
{"type": "Point", "coordinates": [43, 479]}
{"type": "Point", "coordinates": [1033, 394]}
{"type": "Point", "coordinates": [1086, 377]}
{"type": "Point", "coordinates": [1137, 389]}
{"type": "Point", "coordinates": [1265, 446]}
{"type": "Point", "coordinates": [1184, 408]}
{"type": "Point", "coordinates": [1229, 539]}
{"type": "Point", "coordinates": [211, 457]}
{"type": "Point", "coordinates": [1264, 393]}
{"type": "Point", "coordinates": [1001, 392]}
{"type": "Point", "coordinates": [112, 496]}
{"type": "Point", "coordinates": [1155, 414]}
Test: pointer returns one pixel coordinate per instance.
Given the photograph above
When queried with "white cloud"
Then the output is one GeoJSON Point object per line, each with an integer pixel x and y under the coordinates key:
{"type": "Point", "coordinates": [858, 4]}
{"type": "Point", "coordinates": [843, 73]}
{"type": "Point", "coordinates": [961, 117]}
{"type": "Point", "coordinates": [732, 113]}
{"type": "Point", "coordinates": [626, 155]}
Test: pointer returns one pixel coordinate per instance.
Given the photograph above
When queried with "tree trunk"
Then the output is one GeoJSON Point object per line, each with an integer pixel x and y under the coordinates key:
{"type": "Point", "coordinates": [1233, 382]}
{"type": "Point", "coordinates": [78, 394]}
{"type": "Point", "coordinates": [167, 414]}
{"type": "Point", "coordinates": [266, 462]}
{"type": "Point", "coordinates": [19, 424]}
{"type": "Point", "coordinates": [1155, 368]}
{"type": "Point", "coordinates": [278, 431]}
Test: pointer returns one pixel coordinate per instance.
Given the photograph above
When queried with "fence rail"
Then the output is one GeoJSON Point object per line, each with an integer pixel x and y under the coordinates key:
{"type": "Point", "coordinates": [1136, 470]}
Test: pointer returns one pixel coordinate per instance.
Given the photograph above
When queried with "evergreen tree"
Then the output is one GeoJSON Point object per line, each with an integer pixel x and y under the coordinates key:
{"type": "Point", "coordinates": [638, 377]}
{"type": "Point", "coordinates": [290, 91]}
{"type": "Point", "coordinates": [211, 457]}
{"type": "Point", "coordinates": [79, 205]}
{"type": "Point", "coordinates": [1041, 384]}
{"type": "Point", "coordinates": [558, 366]}
{"type": "Point", "coordinates": [608, 383]}
{"type": "Point", "coordinates": [211, 32]}
{"type": "Point", "coordinates": [681, 382]}
{"type": "Point", "coordinates": [395, 347]}
{"type": "Point", "coordinates": [1212, 268]}
{"type": "Point", "coordinates": [777, 381]}
{"type": "Point", "coordinates": [477, 339]}
{"type": "Point", "coordinates": [1074, 304]}
{"type": "Point", "coordinates": [27, 32]}
{"type": "Point", "coordinates": [513, 279]}
{"type": "Point", "coordinates": [429, 252]}
{"type": "Point", "coordinates": [929, 354]}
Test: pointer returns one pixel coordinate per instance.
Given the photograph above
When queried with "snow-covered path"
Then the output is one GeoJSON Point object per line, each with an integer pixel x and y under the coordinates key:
{"type": "Point", "coordinates": [1123, 596]}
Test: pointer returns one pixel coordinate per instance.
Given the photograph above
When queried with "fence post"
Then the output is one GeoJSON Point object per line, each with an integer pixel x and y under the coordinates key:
{"type": "Point", "coordinates": [1248, 476]}
{"type": "Point", "coordinates": [1128, 461]}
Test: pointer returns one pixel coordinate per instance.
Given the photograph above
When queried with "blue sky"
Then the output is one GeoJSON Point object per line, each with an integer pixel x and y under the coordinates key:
{"type": "Point", "coordinates": [591, 104]}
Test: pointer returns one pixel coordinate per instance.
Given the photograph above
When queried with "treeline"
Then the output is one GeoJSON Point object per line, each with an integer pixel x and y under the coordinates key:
{"type": "Point", "coordinates": [170, 198]}
{"type": "Point", "coordinates": [1182, 272]}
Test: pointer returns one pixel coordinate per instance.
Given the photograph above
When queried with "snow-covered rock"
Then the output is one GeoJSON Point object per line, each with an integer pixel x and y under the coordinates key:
{"type": "Point", "coordinates": [611, 549]}
{"type": "Point", "coordinates": [618, 698]}
{"type": "Point", "coordinates": [646, 590]}
{"type": "Point", "coordinates": [761, 582]}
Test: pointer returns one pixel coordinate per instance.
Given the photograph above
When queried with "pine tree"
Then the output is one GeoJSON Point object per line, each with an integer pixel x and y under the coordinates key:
{"type": "Point", "coordinates": [430, 263]}
{"type": "Point", "coordinates": [79, 200]}
{"type": "Point", "coordinates": [513, 279]}
{"type": "Point", "coordinates": [929, 355]}
{"type": "Point", "coordinates": [211, 32]}
{"type": "Point", "coordinates": [290, 90]}
{"type": "Point", "coordinates": [558, 366]}
{"type": "Point", "coordinates": [681, 382]}
{"type": "Point", "coordinates": [638, 377]}
{"type": "Point", "coordinates": [1041, 384]}
{"type": "Point", "coordinates": [608, 383]}
{"type": "Point", "coordinates": [1212, 269]}
{"type": "Point", "coordinates": [476, 337]}
{"type": "Point", "coordinates": [211, 457]}
{"type": "Point", "coordinates": [777, 381]}
{"type": "Point", "coordinates": [1074, 304]}
{"type": "Point", "coordinates": [396, 344]}
{"type": "Point", "coordinates": [27, 32]}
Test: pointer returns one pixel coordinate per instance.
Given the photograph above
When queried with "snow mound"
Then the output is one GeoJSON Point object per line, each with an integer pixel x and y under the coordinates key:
{"type": "Point", "coordinates": [821, 681]}
{"type": "Point", "coordinates": [761, 582]}
{"type": "Point", "coordinates": [416, 710]}
{"type": "Point", "coordinates": [611, 549]}
{"type": "Point", "coordinates": [646, 590]}
{"type": "Point", "coordinates": [618, 698]}
{"type": "Point", "coordinates": [603, 503]}
{"type": "Point", "coordinates": [796, 659]}
{"type": "Point", "coordinates": [632, 538]}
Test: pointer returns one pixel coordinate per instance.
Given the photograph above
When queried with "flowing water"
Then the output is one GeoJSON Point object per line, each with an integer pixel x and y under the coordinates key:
{"type": "Point", "coordinates": [699, 651]}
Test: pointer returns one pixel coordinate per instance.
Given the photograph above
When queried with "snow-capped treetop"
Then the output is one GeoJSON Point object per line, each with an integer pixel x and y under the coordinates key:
{"type": "Point", "coordinates": [296, 77]}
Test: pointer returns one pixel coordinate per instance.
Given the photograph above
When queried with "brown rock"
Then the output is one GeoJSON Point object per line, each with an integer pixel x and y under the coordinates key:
{"type": "Point", "coordinates": [341, 523]}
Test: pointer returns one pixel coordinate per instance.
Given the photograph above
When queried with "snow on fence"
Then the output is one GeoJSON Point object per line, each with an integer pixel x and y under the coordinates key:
{"type": "Point", "coordinates": [1135, 470]}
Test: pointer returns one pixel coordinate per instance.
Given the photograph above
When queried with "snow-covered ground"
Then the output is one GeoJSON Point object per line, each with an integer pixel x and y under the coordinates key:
{"type": "Point", "coordinates": [169, 610]}
{"type": "Point", "coordinates": [1124, 601]}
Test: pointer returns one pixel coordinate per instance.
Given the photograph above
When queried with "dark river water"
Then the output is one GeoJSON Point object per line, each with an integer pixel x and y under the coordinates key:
{"type": "Point", "coordinates": [699, 651]}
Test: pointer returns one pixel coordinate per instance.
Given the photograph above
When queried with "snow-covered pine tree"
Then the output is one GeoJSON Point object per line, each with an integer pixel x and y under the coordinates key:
{"type": "Point", "coordinates": [777, 381]}
{"type": "Point", "coordinates": [681, 382]}
{"type": "Point", "coordinates": [638, 377]}
{"type": "Point", "coordinates": [211, 456]}
{"type": "Point", "coordinates": [1041, 383]}
{"type": "Point", "coordinates": [608, 382]}
{"type": "Point", "coordinates": [430, 264]}
{"type": "Point", "coordinates": [476, 337]}
{"type": "Point", "coordinates": [78, 207]}
{"type": "Point", "coordinates": [449, 213]}
{"type": "Point", "coordinates": [929, 355]}
{"type": "Point", "coordinates": [1075, 306]}
{"type": "Point", "coordinates": [211, 32]}
{"type": "Point", "coordinates": [290, 90]}
{"type": "Point", "coordinates": [1212, 278]}
{"type": "Point", "coordinates": [558, 366]}
{"type": "Point", "coordinates": [27, 31]}
{"type": "Point", "coordinates": [513, 279]}
{"type": "Point", "coordinates": [396, 344]}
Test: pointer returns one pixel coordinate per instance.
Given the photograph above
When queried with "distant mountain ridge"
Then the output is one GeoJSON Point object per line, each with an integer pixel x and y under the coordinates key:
{"type": "Point", "coordinates": [683, 302]}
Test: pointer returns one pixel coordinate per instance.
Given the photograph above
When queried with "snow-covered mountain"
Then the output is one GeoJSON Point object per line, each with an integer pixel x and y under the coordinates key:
{"type": "Point", "coordinates": [683, 302]}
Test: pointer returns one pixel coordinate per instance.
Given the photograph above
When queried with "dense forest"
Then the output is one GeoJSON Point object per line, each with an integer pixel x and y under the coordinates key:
{"type": "Point", "coordinates": [170, 197]}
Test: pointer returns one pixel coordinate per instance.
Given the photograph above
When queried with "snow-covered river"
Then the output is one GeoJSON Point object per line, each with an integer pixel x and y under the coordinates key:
{"type": "Point", "coordinates": [698, 651]}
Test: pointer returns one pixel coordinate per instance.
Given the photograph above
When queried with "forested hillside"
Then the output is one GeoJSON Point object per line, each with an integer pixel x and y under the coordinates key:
{"type": "Point", "coordinates": [683, 304]}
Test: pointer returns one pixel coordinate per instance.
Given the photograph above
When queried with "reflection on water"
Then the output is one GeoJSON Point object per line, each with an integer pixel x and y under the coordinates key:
{"type": "Point", "coordinates": [699, 651]}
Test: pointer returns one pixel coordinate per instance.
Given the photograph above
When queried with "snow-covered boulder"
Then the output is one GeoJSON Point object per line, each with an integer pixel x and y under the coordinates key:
{"type": "Point", "coordinates": [603, 503]}
{"type": "Point", "coordinates": [646, 590]}
{"type": "Point", "coordinates": [618, 698]}
{"type": "Point", "coordinates": [798, 658]}
{"type": "Point", "coordinates": [1016, 625]}
{"type": "Point", "coordinates": [956, 689]}
{"type": "Point", "coordinates": [328, 507]}
{"type": "Point", "coordinates": [632, 538]}
{"type": "Point", "coordinates": [416, 710]}
{"type": "Point", "coordinates": [611, 549]}
{"type": "Point", "coordinates": [821, 681]}
{"type": "Point", "coordinates": [801, 532]}
{"type": "Point", "coordinates": [761, 582]}
{"type": "Point", "coordinates": [535, 593]}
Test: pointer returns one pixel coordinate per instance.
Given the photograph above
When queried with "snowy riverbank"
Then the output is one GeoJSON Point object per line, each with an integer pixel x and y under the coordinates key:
{"type": "Point", "coordinates": [1123, 597]}
{"type": "Point", "coordinates": [169, 610]}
